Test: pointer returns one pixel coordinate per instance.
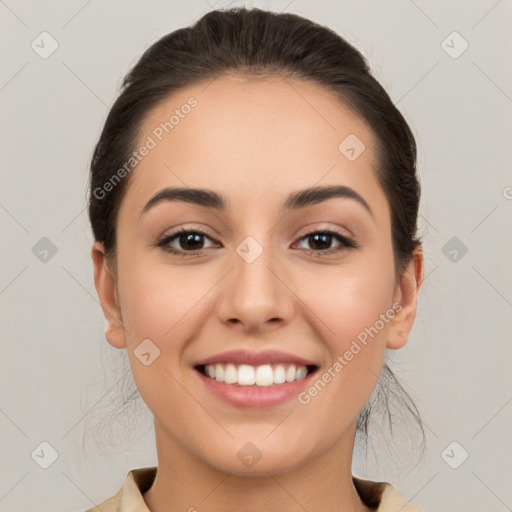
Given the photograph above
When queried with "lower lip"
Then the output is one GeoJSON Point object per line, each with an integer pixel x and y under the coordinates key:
{"type": "Point", "coordinates": [258, 397]}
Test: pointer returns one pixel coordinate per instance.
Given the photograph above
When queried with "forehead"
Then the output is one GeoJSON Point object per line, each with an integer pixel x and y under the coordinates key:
{"type": "Point", "coordinates": [254, 138]}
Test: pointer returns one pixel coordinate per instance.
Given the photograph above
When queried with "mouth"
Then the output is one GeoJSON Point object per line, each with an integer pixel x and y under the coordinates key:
{"type": "Point", "coordinates": [246, 375]}
{"type": "Point", "coordinates": [258, 380]}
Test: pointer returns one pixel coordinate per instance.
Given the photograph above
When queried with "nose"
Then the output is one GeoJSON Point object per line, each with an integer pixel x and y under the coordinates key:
{"type": "Point", "coordinates": [255, 294]}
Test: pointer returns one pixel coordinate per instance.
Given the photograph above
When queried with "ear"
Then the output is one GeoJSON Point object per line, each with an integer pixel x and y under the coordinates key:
{"type": "Point", "coordinates": [106, 289]}
{"type": "Point", "coordinates": [406, 294]}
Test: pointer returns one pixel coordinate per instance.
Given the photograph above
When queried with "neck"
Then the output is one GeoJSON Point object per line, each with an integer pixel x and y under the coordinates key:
{"type": "Point", "coordinates": [185, 483]}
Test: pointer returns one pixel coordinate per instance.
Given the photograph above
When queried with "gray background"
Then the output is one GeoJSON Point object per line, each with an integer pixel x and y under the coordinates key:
{"type": "Point", "coordinates": [59, 374]}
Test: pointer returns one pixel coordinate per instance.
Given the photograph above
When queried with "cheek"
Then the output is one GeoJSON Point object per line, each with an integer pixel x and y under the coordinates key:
{"type": "Point", "coordinates": [349, 301]}
{"type": "Point", "coordinates": [159, 300]}
{"type": "Point", "coordinates": [352, 309]}
{"type": "Point", "coordinates": [359, 308]}
{"type": "Point", "coordinates": [160, 304]}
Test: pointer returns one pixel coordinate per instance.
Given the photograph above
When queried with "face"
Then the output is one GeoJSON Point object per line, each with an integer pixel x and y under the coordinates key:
{"type": "Point", "coordinates": [268, 272]}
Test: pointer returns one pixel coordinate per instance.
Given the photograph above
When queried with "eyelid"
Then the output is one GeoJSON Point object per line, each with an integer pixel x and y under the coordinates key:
{"type": "Point", "coordinates": [184, 229]}
{"type": "Point", "coordinates": [315, 227]}
{"type": "Point", "coordinates": [347, 242]}
{"type": "Point", "coordinates": [307, 230]}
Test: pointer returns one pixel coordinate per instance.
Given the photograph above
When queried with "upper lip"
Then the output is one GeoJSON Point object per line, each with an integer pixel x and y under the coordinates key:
{"type": "Point", "coordinates": [254, 358]}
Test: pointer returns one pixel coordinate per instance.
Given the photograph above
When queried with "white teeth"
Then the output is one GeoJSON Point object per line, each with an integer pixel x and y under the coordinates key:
{"type": "Point", "coordinates": [218, 372]}
{"type": "Point", "coordinates": [301, 372]}
{"type": "Point", "coordinates": [230, 374]}
{"type": "Point", "coordinates": [247, 375]}
{"type": "Point", "coordinates": [290, 374]}
{"type": "Point", "coordinates": [264, 375]}
{"type": "Point", "coordinates": [279, 374]}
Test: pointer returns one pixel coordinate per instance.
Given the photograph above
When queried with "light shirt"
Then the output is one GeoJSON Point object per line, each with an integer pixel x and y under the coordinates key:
{"type": "Point", "coordinates": [130, 498]}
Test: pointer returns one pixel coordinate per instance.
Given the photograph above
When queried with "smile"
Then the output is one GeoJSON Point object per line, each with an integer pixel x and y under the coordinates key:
{"type": "Point", "coordinates": [262, 375]}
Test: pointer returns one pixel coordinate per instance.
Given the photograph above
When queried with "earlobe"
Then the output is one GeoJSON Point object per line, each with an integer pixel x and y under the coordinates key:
{"type": "Point", "coordinates": [407, 296]}
{"type": "Point", "coordinates": [106, 289]}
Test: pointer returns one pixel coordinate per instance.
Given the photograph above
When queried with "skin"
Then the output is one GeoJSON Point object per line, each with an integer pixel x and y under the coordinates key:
{"type": "Point", "coordinates": [255, 141]}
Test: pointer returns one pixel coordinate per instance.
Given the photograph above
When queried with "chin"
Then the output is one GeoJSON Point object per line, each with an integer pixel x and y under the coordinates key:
{"type": "Point", "coordinates": [249, 461]}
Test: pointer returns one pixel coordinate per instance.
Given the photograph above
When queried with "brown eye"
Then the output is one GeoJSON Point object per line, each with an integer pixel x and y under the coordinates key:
{"type": "Point", "coordinates": [321, 241]}
{"type": "Point", "coordinates": [188, 241]}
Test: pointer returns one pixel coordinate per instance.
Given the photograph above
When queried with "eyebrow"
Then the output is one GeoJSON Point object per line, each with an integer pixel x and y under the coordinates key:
{"type": "Point", "coordinates": [296, 200]}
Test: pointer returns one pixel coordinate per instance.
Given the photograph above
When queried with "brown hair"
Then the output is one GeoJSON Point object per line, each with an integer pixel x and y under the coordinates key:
{"type": "Point", "coordinates": [256, 42]}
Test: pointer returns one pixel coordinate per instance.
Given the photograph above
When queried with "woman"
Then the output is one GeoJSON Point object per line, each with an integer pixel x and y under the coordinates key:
{"type": "Point", "coordinates": [254, 203]}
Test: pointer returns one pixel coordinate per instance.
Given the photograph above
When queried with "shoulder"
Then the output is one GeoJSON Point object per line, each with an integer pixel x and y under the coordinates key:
{"type": "Point", "coordinates": [382, 495]}
{"type": "Point", "coordinates": [130, 496]}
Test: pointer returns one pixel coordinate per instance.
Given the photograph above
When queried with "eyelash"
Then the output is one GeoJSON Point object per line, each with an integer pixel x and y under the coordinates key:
{"type": "Point", "coordinates": [348, 243]}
